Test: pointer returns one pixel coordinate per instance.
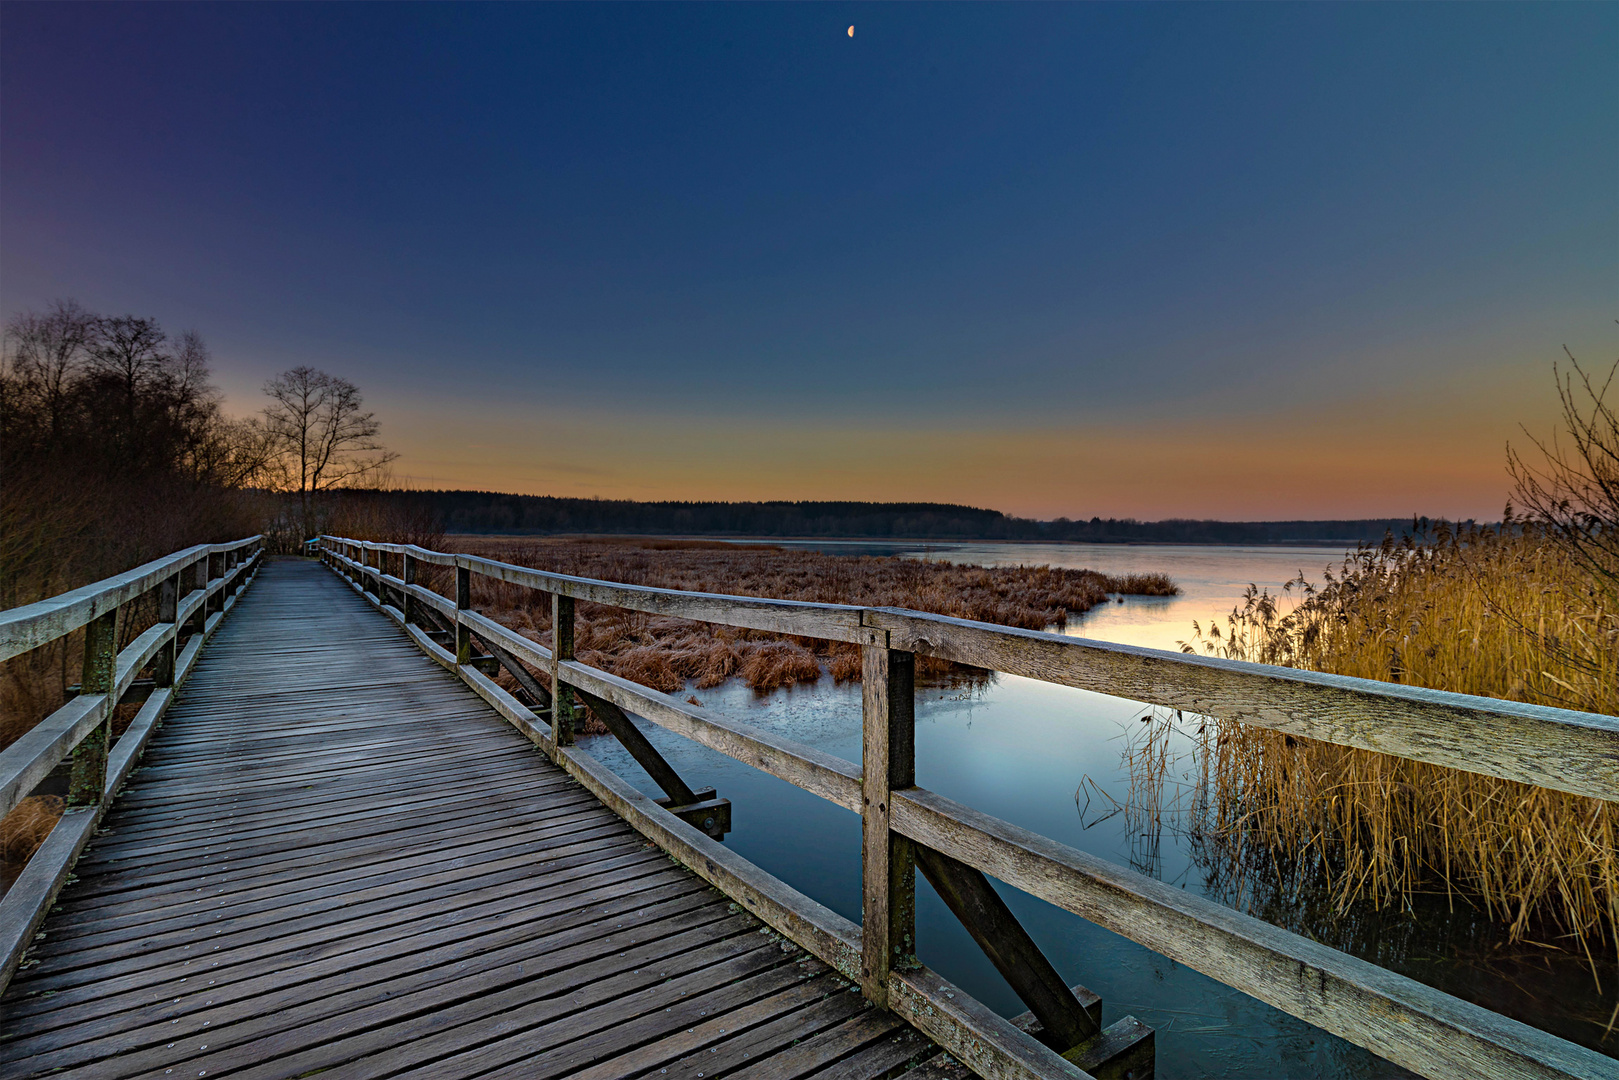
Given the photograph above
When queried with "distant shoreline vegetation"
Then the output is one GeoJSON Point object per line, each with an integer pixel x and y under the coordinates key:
{"type": "Point", "coordinates": [495, 513]}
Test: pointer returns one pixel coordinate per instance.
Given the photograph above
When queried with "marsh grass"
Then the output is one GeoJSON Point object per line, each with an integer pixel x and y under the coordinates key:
{"type": "Point", "coordinates": [1503, 612]}
{"type": "Point", "coordinates": [666, 653]}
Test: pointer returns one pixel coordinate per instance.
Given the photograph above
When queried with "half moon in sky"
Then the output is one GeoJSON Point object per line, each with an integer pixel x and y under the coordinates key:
{"type": "Point", "coordinates": [851, 31]}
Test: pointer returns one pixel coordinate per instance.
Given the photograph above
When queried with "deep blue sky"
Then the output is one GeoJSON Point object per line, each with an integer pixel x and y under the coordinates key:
{"type": "Point", "coordinates": [1212, 260]}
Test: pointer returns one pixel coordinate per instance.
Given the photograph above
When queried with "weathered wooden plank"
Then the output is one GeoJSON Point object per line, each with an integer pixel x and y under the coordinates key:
{"type": "Point", "coordinates": [253, 914]}
{"type": "Point", "coordinates": [31, 758]}
{"type": "Point", "coordinates": [32, 625]}
{"type": "Point", "coordinates": [466, 883]}
{"type": "Point", "coordinates": [1411, 1024]}
{"type": "Point", "coordinates": [990, 1046]}
{"type": "Point", "coordinates": [820, 773]}
{"type": "Point", "coordinates": [835, 622]}
{"type": "Point", "coordinates": [423, 595]}
{"type": "Point", "coordinates": [810, 1055]}
{"type": "Point", "coordinates": [441, 949]}
{"type": "Point", "coordinates": [424, 950]}
{"type": "Point", "coordinates": [515, 712]}
{"type": "Point", "coordinates": [1555, 748]}
{"type": "Point", "coordinates": [828, 1005]}
{"type": "Point", "coordinates": [888, 1057]}
{"type": "Point", "coordinates": [818, 928]}
{"type": "Point", "coordinates": [23, 907]}
{"type": "Point", "coordinates": [562, 1046]}
{"type": "Point", "coordinates": [127, 750]}
{"type": "Point", "coordinates": [729, 1039]}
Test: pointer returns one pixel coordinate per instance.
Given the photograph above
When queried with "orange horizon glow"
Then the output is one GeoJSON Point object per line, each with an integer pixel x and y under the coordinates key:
{"type": "Point", "coordinates": [1434, 450]}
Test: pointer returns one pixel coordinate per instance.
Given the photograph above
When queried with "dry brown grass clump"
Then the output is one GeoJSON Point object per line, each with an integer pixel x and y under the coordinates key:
{"type": "Point", "coordinates": [25, 828]}
{"type": "Point", "coordinates": [666, 653]}
{"type": "Point", "coordinates": [1507, 614]}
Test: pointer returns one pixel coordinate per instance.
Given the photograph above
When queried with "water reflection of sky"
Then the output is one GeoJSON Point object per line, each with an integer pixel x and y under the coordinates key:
{"type": "Point", "coordinates": [1211, 578]}
{"type": "Point", "coordinates": [1022, 750]}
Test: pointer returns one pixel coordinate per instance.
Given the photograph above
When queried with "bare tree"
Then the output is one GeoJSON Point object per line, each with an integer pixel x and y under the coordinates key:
{"type": "Point", "coordinates": [128, 350]}
{"type": "Point", "coordinates": [1573, 491]}
{"type": "Point", "coordinates": [322, 436]}
{"type": "Point", "coordinates": [44, 356]}
{"type": "Point", "coordinates": [113, 448]}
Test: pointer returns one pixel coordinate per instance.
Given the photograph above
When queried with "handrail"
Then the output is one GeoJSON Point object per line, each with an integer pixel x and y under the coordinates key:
{"type": "Point", "coordinates": [1561, 749]}
{"type": "Point", "coordinates": [196, 587]}
{"type": "Point", "coordinates": [1403, 1020]}
{"type": "Point", "coordinates": [32, 625]}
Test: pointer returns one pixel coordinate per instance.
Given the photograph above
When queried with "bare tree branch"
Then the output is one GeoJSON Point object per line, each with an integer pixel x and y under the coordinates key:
{"type": "Point", "coordinates": [321, 436]}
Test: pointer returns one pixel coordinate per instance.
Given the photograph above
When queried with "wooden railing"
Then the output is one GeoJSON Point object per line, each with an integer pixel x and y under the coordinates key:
{"type": "Point", "coordinates": [904, 826]}
{"type": "Point", "coordinates": [195, 588]}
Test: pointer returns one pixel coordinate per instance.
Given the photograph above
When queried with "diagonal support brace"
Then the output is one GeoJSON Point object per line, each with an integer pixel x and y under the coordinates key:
{"type": "Point", "coordinates": [968, 895]}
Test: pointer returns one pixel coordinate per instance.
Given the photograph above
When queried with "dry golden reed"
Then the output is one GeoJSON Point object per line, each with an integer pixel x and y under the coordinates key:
{"type": "Point", "coordinates": [25, 828]}
{"type": "Point", "coordinates": [1506, 613]}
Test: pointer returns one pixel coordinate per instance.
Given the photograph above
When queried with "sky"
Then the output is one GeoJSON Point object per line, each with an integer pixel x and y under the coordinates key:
{"type": "Point", "coordinates": [1216, 260]}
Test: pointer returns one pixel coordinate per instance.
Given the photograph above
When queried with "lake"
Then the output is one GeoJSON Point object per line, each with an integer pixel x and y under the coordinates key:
{"type": "Point", "coordinates": [1049, 758]}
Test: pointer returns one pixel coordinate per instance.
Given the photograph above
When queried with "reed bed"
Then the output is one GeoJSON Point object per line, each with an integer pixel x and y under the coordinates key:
{"type": "Point", "coordinates": [1507, 613]}
{"type": "Point", "coordinates": [667, 653]}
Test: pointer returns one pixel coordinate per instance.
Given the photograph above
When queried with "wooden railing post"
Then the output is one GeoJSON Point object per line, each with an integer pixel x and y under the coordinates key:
{"type": "Point", "coordinates": [168, 611]}
{"type": "Point", "coordinates": [88, 780]}
{"type": "Point", "coordinates": [199, 618]}
{"type": "Point", "coordinates": [561, 649]}
{"type": "Point", "coordinates": [463, 602]}
{"type": "Point", "coordinates": [407, 571]}
{"type": "Point", "coordinates": [888, 865]}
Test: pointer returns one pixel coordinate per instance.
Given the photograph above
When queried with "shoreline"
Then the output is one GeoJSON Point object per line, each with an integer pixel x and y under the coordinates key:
{"type": "Point", "coordinates": [755, 539]}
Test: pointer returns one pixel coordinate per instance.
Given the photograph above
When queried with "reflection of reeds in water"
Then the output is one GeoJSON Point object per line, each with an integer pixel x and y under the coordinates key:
{"type": "Point", "coordinates": [1157, 795]}
{"type": "Point", "coordinates": [1507, 615]}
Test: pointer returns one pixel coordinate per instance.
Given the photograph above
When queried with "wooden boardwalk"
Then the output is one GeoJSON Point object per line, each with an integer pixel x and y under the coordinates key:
{"type": "Point", "coordinates": [336, 858]}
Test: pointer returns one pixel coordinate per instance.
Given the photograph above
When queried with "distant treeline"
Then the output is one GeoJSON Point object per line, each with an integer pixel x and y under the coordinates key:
{"type": "Point", "coordinates": [495, 513]}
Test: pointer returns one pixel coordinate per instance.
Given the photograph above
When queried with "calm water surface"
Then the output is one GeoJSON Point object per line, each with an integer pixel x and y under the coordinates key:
{"type": "Point", "coordinates": [1049, 758]}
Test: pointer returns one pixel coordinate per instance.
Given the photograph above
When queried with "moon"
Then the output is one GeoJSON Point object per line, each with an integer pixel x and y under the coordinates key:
{"type": "Point", "coordinates": [851, 31]}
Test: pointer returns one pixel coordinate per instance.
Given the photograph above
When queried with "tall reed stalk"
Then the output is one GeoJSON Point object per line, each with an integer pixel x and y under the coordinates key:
{"type": "Point", "coordinates": [1505, 612]}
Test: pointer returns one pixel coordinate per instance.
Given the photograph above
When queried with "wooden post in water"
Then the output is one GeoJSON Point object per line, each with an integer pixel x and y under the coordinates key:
{"type": "Point", "coordinates": [888, 865]}
{"type": "Point", "coordinates": [88, 780]}
{"type": "Point", "coordinates": [463, 602]}
{"type": "Point", "coordinates": [561, 649]}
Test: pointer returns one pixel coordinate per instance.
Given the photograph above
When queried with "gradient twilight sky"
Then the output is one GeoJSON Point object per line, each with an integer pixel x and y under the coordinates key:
{"type": "Point", "coordinates": [1199, 261]}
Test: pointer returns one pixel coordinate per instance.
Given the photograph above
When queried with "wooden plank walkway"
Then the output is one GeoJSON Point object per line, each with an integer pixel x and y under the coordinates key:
{"type": "Point", "coordinates": [336, 858]}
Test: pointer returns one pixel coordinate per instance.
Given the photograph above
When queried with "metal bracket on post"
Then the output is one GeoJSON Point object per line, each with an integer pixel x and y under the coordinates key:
{"type": "Point", "coordinates": [87, 783]}
{"type": "Point", "coordinates": [888, 869]}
